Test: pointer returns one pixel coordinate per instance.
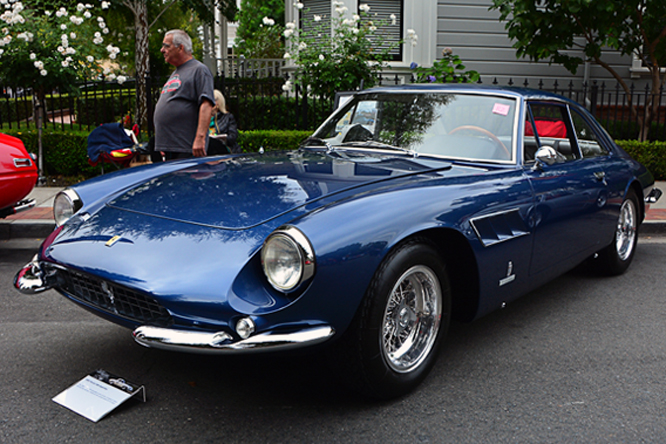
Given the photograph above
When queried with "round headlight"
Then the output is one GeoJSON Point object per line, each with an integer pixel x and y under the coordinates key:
{"type": "Point", "coordinates": [66, 203]}
{"type": "Point", "coordinates": [287, 258]}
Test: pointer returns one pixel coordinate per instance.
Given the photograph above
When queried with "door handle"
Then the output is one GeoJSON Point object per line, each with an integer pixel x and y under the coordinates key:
{"type": "Point", "coordinates": [600, 175]}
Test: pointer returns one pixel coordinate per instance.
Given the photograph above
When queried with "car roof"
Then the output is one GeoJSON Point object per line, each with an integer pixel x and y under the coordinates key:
{"type": "Point", "coordinates": [519, 92]}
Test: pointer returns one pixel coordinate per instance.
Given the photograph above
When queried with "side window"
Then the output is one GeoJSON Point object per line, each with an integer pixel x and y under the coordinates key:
{"type": "Point", "coordinates": [587, 138]}
{"type": "Point", "coordinates": [549, 127]}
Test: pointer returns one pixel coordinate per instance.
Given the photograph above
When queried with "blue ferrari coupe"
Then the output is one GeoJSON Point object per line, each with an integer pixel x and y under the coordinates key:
{"type": "Point", "coordinates": [409, 207]}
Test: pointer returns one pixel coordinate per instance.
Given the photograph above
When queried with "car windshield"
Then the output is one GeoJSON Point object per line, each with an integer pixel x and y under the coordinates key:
{"type": "Point", "coordinates": [458, 126]}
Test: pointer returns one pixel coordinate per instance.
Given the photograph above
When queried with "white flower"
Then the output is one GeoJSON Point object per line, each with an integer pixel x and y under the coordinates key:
{"type": "Point", "coordinates": [356, 17]}
{"type": "Point", "coordinates": [337, 4]}
{"type": "Point", "coordinates": [290, 25]}
{"type": "Point", "coordinates": [39, 64]}
{"type": "Point", "coordinates": [105, 5]}
{"type": "Point", "coordinates": [348, 22]}
{"type": "Point", "coordinates": [302, 46]}
{"type": "Point", "coordinates": [90, 59]}
{"type": "Point", "coordinates": [321, 57]}
{"type": "Point", "coordinates": [288, 33]}
{"type": "Point", "coordinates": [105, 31]}
{"type": "Point", "coordinates": [100, 19]}
{"type": "Point", "coordinates": [87, 14]}
{"type": "Point", "coordinates": [111, 77]}
{"type": "Point", "coordinates": [64, 63]}
{"type": "Point", "coordinates": [287, 86]}
{"type": "Point", "coordinates": [62, 12]}
{"type": "Point", "coordinates": [48, 13]}
{"type": "Point", "coordinates": [286, 55]}
{"type": "Point", "coordinates": [268, 21]}
{"type": "Point", "coordinates": [341, 9]}
{"type": "Point", "coordinates": [76, 20]}
{"type": "Point", "coordinates": [61, 49]}
{"type": "Point", "coordinates": [298, 5]}
{"type": "Point", "coordinates": [33, 56]}
{"type": "Point", "coordinates": [372, 28]}
{"type": "Point", "coordinates": [393, 19]}
{"type": "Point", "coordinates": [317, 18]}
{"type": "Point", "coordinates": [121, 79]}
{"type": "Point", "coordinates": [1, 51]}
{"type": "Point", "coordinates": [63, 27]}
{"type": "Point", "coordinates": [353, 30]}
{"type": "Point", "coordinates": [72, 35]}
{"type": "Point", "coordinates": [364, 7]}
{"type": "Point", "coordinates": [43, 72]}
{"type": "Point", "coordinates": [70, 50]}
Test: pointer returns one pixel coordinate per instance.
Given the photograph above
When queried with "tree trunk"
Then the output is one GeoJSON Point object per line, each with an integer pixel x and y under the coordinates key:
{"type": "Point", "coordinates": [142, 62]}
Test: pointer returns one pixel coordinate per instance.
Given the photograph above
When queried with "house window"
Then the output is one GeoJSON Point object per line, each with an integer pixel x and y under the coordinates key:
{"type": "Point", "coordinates": [387, 15]}
{"type": "Point", "coordinates": [320, 8]}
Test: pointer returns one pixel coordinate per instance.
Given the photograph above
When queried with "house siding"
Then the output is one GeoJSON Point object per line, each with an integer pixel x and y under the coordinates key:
{"type": "Point", "coordinates": [475, 33]}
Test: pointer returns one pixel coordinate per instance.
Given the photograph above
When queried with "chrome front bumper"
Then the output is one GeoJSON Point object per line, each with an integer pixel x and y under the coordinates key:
{"type": "Point", "coordinates": [31, 279]}
{"type": "Point", "coordinates": [220, 342]}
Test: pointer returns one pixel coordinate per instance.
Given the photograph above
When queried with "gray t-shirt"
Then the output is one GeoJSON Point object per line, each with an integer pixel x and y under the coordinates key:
{"type": "Point", "coordinates": [177, 111]}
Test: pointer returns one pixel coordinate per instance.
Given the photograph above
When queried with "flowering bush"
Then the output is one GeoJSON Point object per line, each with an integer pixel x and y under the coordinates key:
{"type": "Point", "coordinates": [448, 69]}
{"type": "Point", "coordinates": [53, 48]}
{"type": "Point", "coordinates": [339, 53]}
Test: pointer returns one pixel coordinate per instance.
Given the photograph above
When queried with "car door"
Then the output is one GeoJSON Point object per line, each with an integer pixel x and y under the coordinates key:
{"type": "Point", "coordinates": [569, 194]}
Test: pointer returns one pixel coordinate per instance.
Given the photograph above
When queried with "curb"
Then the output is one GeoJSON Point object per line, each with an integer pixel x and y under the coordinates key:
{"type": "Point", "coordinates": [21, 229]}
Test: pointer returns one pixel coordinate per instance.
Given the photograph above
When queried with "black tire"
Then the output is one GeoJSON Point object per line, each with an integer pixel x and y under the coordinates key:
{"type": "Point", "coordinates": [407, 309]}
{"type": "Point", "coordinates": [616, 258]}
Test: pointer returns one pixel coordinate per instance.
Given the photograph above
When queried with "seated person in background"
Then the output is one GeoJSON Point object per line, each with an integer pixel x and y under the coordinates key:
{"type": "Point", "coordinates": [223, 129]}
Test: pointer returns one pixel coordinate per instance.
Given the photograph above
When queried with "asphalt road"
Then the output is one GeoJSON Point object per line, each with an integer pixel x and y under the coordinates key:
{"type": "Point", "coordinates": [581, 360]}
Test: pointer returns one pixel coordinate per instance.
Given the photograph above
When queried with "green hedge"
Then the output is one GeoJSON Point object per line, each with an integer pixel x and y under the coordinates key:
{"type": "Point", "coordinates": [650, 154]}
{"type": "Point", "coordinates": [65, 153]}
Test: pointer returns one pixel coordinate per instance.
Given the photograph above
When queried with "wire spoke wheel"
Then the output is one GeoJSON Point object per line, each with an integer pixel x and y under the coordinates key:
{"type": "Point", "coordinates": [412, 318]}
{"type": "Point", "coordinates": [625, 235]}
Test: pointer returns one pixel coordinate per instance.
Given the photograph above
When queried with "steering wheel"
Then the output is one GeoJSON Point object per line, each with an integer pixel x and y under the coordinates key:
{"type": "Point", "coordinates": [485, 132]}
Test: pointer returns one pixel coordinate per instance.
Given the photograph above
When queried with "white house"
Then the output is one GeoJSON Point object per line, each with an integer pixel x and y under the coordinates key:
{"type": "Point", "coordinates": [473, 32]}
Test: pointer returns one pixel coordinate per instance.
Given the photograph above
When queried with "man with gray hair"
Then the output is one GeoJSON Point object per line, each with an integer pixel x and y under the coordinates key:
{"type": "Point", "coordinates": [182, 114]}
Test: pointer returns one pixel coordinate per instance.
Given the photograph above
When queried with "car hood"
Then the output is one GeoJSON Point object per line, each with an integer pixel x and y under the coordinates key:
{"type": "Point", "coordinates": [241, 192]}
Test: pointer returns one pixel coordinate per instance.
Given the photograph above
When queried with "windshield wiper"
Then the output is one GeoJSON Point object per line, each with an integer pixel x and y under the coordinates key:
{"type": "Point", "coordinates": [315, 141]}
{"type": "Point", "coordinates": [375, 144]}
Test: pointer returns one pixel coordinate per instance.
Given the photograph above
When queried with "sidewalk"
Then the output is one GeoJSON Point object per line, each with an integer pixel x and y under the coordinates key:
{"type": "Point", "coordinates": [38, 222]}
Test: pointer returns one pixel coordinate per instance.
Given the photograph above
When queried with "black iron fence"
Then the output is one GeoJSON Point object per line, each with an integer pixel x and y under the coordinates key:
{"type": "Point", "coordinates": [262, 103]}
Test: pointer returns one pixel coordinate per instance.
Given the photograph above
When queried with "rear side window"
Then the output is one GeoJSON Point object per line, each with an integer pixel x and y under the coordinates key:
{"type": "Point", "coordinates": [588, 141]}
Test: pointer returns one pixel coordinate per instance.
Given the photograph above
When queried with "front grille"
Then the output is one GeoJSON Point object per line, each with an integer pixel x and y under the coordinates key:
{"type": "Point", "coordinates": [113, 298]}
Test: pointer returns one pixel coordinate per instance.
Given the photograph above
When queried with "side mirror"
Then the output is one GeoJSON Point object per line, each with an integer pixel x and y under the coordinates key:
{"type": "Point", "coordinates": [547, 154]}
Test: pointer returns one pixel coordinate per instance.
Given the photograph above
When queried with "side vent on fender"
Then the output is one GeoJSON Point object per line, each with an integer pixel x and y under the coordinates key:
{"type": "Point", "coordinates": [499, 227]}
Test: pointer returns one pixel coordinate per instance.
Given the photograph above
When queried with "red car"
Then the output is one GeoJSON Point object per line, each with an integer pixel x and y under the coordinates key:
{"type": "Point", "coordinates": [18, 176]}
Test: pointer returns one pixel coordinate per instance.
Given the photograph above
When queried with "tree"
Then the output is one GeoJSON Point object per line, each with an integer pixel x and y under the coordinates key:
{"type": "Point", "coordinates": [546, 29]}
{"type": "Point", "coordinates": [46, 49]}
{"type": "Point", "coordinates": [255, 38]}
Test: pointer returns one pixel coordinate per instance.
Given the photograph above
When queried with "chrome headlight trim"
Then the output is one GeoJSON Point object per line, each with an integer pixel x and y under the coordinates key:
{"type": "Point", "coordinates": [66, 204]}
{"type": "Point", "coordinates": [302, 254]}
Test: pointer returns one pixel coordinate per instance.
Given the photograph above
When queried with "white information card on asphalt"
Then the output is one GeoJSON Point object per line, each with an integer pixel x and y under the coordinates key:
{"type": "Point", "coordinates": [97, 394]}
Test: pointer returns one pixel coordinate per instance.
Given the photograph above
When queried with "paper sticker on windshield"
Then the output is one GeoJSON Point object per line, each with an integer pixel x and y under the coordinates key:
{"type": "Point", "coordinates": [501, 109]}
